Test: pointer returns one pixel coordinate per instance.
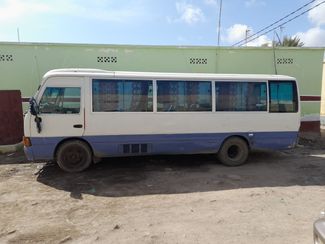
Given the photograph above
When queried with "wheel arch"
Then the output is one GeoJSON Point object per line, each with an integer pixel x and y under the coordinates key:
{"type": "Point", "coordinates": [245, 139]}
{"type": "Point", "coordinates": [72, 139]}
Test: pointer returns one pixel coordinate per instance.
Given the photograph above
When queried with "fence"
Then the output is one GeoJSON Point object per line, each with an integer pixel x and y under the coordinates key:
{"type": "Point", "coordinates": [11, 117]}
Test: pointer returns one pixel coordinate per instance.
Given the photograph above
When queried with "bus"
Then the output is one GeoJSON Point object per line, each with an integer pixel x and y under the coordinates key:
{"type": "Point", "coordinates": [79, 116]}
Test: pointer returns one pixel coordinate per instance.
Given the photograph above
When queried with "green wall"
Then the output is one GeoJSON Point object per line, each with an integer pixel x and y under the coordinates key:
{"type": "Point", "coordinates": [31, 60]}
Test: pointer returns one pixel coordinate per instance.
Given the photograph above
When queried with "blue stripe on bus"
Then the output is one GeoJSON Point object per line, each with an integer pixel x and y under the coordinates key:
{"type": "Point", "coordinates": [110, 146]}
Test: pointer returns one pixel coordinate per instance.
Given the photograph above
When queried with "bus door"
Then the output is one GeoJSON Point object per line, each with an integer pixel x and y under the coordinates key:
{"type": "Point", "coordinates": [61, 108]}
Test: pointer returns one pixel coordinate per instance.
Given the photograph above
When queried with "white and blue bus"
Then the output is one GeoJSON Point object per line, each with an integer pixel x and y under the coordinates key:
{"type": "Point", "coordinates": [81, 115]}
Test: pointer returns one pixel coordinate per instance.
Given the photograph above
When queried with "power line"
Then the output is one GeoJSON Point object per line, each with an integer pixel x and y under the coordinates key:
{"type": "Point", "coordinates": [286, 22]}
{"type": "Point", "coordinates": [297, 10]}
{"type": "Point", "coordinates": [276, 22]}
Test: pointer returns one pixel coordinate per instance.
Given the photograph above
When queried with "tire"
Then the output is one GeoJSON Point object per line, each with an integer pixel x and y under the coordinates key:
{"type": "Point", "coordinates": [234, 152]}
{"type": "Point", "coordinates": [74, 156]}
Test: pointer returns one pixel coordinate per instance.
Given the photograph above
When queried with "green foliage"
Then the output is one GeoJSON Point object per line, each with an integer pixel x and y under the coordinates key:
{"type": "Point", "coordinates": [285, 42]}
{"type": "Point", "coordinates": [290, 42]}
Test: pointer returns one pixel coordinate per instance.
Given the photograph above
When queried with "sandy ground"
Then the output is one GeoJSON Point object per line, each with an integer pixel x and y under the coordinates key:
{"type": "Point", "coordinates": [275, 198]}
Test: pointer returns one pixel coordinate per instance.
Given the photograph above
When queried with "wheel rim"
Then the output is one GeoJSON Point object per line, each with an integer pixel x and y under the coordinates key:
{"type": "Point", "coordinates": [74, 157]}
{"type": "Point", "coordinates": [233, 152]}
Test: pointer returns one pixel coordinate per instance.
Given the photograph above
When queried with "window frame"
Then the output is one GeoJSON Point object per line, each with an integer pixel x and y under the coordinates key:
{"type": "Point", "coordinates": [211, 82]}
{"type": "Point", "coordinates": [265, 82]}
{"type": "Point", "coordinates": [60, 87]}
{"type": "Point", "coordinates": [213, 93]}
{"type": "Point", "coordinates": [295, 96]}
{"type": "Point", "coordinates": [91, 79]}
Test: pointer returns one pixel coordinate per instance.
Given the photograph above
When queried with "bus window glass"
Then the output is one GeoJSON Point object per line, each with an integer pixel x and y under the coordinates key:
{"type": "Point", "coordinates": [122, 96]}
{"type": "Point", "coordinates": [283, 97]}
{"type": "Point", "coordinates": [60, 100]}
{"type": "Point", "coordinates": [241, 96]}
{"type": "Point", "coordinates": [184, 96]}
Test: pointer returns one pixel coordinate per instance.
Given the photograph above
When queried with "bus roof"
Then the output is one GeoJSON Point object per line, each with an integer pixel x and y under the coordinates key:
{"type": "Point", "coordinates": [160, 75]}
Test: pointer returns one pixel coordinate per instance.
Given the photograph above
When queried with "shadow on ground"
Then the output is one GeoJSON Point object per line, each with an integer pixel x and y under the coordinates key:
{"type": "Point", "coordinates": [118, 177]}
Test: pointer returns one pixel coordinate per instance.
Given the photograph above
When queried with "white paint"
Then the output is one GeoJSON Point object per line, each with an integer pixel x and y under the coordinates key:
{"type": "Point", "coordinates": [311, 117]}
{"type": "Point", "coordinates": [132, 123]}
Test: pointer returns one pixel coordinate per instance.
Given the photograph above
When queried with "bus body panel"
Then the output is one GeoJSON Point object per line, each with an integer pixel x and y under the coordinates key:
{"type": "Point", "coordinates": [54, 125]}
{"type": "Point", "coordinates": [188, 122]}
{"type": "Point", "coordinates": [134, 145]}
{"type": "Point", "coordinates": [145, 133]}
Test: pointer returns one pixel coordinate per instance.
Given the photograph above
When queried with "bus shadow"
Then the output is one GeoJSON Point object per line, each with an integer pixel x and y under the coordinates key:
{"type": "Point", "coordinates": [118, 177]}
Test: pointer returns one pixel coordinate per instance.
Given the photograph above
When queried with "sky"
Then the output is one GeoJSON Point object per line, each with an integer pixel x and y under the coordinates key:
{"type": "Point", "coordinates": [157, 22]}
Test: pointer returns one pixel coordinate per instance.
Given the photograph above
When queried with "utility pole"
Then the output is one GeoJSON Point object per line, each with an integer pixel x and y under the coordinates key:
{"type": "Point", "coordinates": [219, 24]}
{"type": "Point", "coordinates": [281, 31]}
{"type": "Point", "coordinates": [18, 35]}
{"type": "Point", "coordinates": [246, 35]}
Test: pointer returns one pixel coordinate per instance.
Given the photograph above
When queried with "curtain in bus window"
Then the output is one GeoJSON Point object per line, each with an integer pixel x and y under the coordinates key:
{"type": "Point", "coordinates": [283, 97]}
{"type": "Point", "coordinates": [184, 96]}
{"type": "Point", "coordinates": [198, 96]}
{"type": "Point", "coordinates": [240, 96]}
{"type": "Point", "coordinates": [122, 95]}
{"type": "Point", "coordinates": [170, 96]}
{"type": "Point", "coordinates": [107, 95]}
{"type": "Point", "coordinates": [137, 96]}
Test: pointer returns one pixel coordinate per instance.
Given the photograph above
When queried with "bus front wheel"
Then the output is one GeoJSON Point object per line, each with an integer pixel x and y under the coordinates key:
{"type": "Point", "coordinates": [74, 156]}
{"type": "Point", "coordinates": [233, 152]}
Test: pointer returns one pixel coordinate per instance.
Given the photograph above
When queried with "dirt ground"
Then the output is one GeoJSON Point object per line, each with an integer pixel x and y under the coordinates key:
{"type": "Point", "coordinates": [274, 198]}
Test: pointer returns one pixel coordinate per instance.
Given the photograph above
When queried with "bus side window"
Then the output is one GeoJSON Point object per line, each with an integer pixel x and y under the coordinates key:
{"type": "Point", "coordinates": [283, 97]}
{"type": "Point", "coordinates": [184, 96]}
{"type": "Point", "coordinates": [60, 100]}
{"type": "Point", "coordinates": [240, 96]}
{"type": "Point", "coordinates": [122, 95]}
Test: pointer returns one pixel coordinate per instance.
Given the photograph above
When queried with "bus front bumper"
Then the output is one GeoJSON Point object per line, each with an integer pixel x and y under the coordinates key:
{"type": "Point", "coordinates": [29, 153]}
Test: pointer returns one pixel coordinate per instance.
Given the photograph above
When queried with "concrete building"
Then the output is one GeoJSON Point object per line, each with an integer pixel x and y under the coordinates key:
{"type": "Point", "coordinates": [23, 64]}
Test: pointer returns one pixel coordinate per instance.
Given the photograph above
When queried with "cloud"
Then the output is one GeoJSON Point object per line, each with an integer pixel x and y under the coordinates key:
{"type": "Point", "coordinates": [237, 32]}
{"type": "Point", "coordinates": [210, 2]}
{"type": "Point", "coordinates": [314, 37]}
{"type": "Point", "coordinates": [188, 13]}
{"type": "Point", "coordinates": [12, 10]}
{"type": "Point", "coordinates": [262, 40]}
{"type": "Point", "coordinates": [317, 15]}
{"type": "Point", "coordinates": [251, 3]}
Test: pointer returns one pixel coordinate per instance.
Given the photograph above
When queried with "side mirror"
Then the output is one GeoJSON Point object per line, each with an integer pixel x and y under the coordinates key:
{"type": "Point", "coordinates": [34, 110]}
{"type": "Point", "coordinates": [33, 107]}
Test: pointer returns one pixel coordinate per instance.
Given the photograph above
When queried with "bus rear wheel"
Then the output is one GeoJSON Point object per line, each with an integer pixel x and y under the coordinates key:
{"type": "Point", "coordinates": [234, 152]}
{"type": "Point", "coordinates": [74, 156]}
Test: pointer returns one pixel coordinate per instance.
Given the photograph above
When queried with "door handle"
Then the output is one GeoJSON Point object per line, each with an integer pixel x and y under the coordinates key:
{"type": "Point", "coordinates": [77, 126]}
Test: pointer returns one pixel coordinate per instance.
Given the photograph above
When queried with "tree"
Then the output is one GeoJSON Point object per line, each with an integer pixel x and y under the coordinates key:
{"type": "Point", "coordinates": [290, 42]}
{"type": "Point", "coordinates": [286, 42]}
